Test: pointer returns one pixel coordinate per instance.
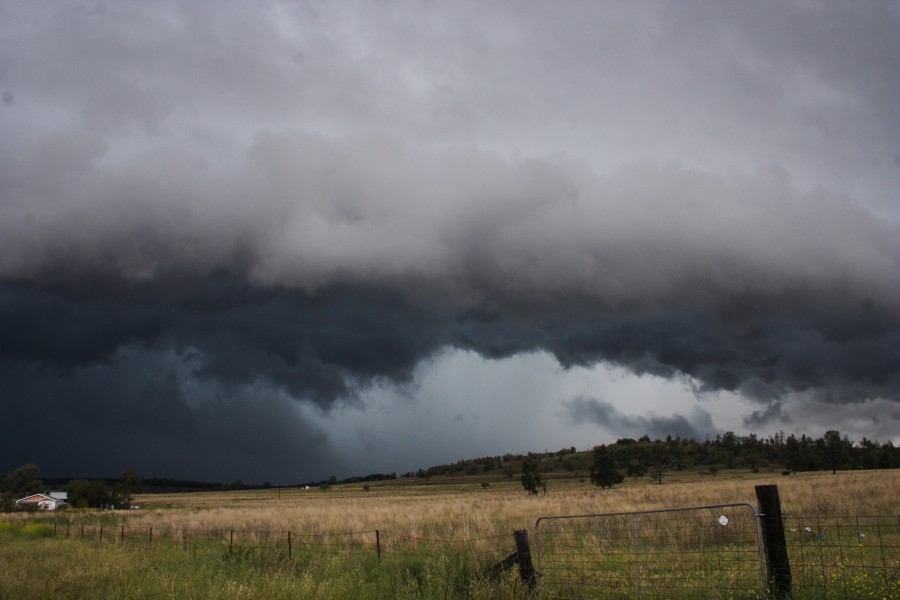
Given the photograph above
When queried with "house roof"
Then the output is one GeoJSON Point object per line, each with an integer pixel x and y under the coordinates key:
{"type": "Point", "coordinates": [34, 498]}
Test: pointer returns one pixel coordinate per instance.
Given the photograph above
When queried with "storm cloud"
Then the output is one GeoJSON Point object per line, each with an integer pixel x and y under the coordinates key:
{"type": "Point", "coordinates": [604, 414]}
{"type": "Point", "coordinates": [221, 226]}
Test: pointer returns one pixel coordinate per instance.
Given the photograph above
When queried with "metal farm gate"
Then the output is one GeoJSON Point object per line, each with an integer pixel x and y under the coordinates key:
{"type": "Point", "coordinates": [703, 551]}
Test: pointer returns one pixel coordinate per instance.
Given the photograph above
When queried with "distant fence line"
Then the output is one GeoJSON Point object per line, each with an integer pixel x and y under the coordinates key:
{"type": "Point", "coordinates": [377, 542]}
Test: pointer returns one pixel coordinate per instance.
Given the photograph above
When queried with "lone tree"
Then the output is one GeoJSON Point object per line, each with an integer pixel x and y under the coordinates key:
{"type": "Point", "coordinates": [531, 475]}
{"type": "Point", "coordinates": [603, 468]}
{"type": "Point", "coordinates": [129, 484]}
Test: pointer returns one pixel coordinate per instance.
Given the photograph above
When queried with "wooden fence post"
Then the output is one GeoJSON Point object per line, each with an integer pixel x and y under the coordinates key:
{"type": "Point", "coordinates": [523, 557]}
{"type": "Point", "coordinates": [122, 535]}
{"type": "Point", "coordinates": [150, 538]}
{"type": "Point", "coordinates": [231, 541]}
{"type": "Point", "coordinates": [378, 543]}
{"type": "Point", "coordinates": [101, 532]}
{"type": "Point", "coordinates": [289, 533]}
{"type": "Point", "coordinates": [777, 563]}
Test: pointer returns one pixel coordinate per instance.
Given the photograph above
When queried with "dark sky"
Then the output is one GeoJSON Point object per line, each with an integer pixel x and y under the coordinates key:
{"type": "Point", "coordinates": [280, 241]}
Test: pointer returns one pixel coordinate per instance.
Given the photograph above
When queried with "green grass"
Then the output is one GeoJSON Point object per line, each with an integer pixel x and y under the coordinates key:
{"type": "Point", "coordinates": [86, 568]}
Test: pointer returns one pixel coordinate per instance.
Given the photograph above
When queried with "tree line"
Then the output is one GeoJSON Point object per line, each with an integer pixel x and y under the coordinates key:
{"type": "Point", "coordinates": [606, 465]}
{"type": "Point", "coordinates": [643, 457]}
{"type": "Point", "coordinates": [636, 458]}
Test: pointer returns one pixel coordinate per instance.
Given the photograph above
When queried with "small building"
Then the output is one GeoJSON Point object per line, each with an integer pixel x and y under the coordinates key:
{"type": "Point", "coordinates": [50, 501]}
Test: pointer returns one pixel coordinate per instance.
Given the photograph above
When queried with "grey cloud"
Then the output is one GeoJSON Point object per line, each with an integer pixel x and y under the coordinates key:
{"type": "Point", "coordinates": [321, 347]}
{"type": "Point", "coordinates": [764, 357]}
{"type": "Point", "coordinates": [316, 348]}
{"type": "Point", "coordinates": [603, 414]}
{"type": "Point", "coordinates": [809, 85]}
{"type": "Point", "coordinates": [469, 227]}
{"type": "Point", "coordinates": [774, 413]}
{"type": "Point", "coordinates": [145, 410]}
{"type": "Point", "coordinates": [874, 420]}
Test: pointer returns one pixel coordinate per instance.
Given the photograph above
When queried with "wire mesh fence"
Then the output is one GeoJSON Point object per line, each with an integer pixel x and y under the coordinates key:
{"type": "Point", "coordinates": [844, 556]}
{"type": "Point", "coordinates": [687, 552]}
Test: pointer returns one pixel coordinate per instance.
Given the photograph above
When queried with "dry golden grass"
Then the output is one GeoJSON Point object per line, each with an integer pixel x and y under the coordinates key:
{"type": "Point", "coordinates": [468, 511]}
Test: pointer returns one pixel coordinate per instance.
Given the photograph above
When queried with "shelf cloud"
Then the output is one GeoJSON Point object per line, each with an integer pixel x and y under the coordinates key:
{"type": "Point", "coordinates": [214, 220]}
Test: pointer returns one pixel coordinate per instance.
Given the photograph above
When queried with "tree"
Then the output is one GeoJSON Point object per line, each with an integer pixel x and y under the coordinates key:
{"type": "Point", "coordinates": [531, 475]}
{"type": "Point", "coordinates": [635, 468]}
{"type": "Point", "coordinates": [792, 450]}
{"type": "Point", "coordinates": [20, 483]}
{"type": "Point", "coordinates": [88, 493]}
{"type": "Point", "coordinates": [603, 468]}
{"type": "Point", "coordinates": [660, 458]}
{"type": "Point", "coordinates": [23, 480]}
{"type": "Point", "coordinates": [129, 484]}
{"type": "Point", "coordinates": [836, 449]}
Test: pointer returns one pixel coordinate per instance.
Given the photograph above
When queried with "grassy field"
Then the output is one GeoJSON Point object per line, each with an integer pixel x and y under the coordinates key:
{"type": "Point", "coordinates": [437, 540]}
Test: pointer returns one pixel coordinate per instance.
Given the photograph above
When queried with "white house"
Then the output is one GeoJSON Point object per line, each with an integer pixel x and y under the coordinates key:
{"type": "Point", "coordinates": [43, 501]}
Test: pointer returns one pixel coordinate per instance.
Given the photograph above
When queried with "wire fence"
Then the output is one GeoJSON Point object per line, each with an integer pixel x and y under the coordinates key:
{"type": "Point", "coordinates": [844, 556]}
{"type": "Point", "coordinates": [715, 551]}
{"type": "Point", "coordinates": [289, 544]}
{"type": "Point", "coordinates": [712, 551]}
{"type": "Point", "coordinates": [685, 552]}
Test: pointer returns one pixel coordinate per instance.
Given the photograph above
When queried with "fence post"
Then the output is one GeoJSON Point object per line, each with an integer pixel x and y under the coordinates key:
{"type": "Point", "coordinates": [122, 535]}
{"type": "Point", "coordinates": [637, 552]}
{"type": "Point", "coordinates": [289, 533]}
{"type": "Point", "coordinates": [101, 533]}
{"type": "Point", "coordinates": [777, 563]}
{"type": "Point", "coordinates": [378, 543]}
{"type": "Point", "coordinates": [150, 538]}
{"type": "Point", "coordinates": [523, 557]}
{"type": "Point", "coordinates": [231, 541]}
